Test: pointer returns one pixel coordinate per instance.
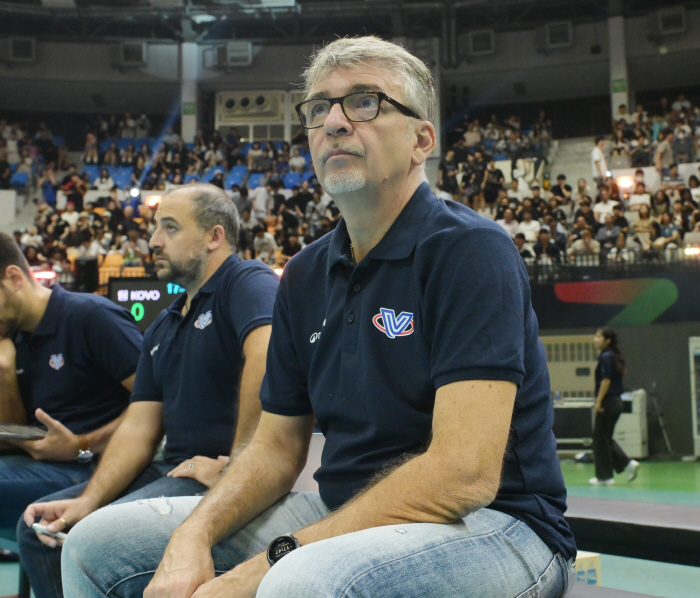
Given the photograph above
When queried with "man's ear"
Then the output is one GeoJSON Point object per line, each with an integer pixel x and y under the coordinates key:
{"type": "Point", "coordinates": [14, 276]}
{"type": "Point", "coordinates": [425, 142]}
{"type": "Point", "coordinates": [218, 236]}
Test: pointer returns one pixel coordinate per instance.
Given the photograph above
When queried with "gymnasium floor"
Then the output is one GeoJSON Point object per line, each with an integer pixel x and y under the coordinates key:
{"type": "Point", "coordinates": [671, 483]}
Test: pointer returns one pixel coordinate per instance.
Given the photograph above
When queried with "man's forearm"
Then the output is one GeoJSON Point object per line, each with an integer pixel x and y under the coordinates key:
{"type": "Point", "coordinates": [258, 478]}
{"type": "Point", "coordinates": [422, 490]}
{"type": "Point", "coordinates": [98, 439]}
{"type": "Point", "coordinates": [126, 455]}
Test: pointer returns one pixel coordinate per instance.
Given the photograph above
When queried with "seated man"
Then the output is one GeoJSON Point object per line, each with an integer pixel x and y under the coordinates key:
{"type": "Point", "coordinates": [199, 357]}
{"type": "Point", "coordinates": [67, 363]}
{"type": "Point", "coordinates": [440, 475]}
{"type": "Point", "coordinates": [586, 246]}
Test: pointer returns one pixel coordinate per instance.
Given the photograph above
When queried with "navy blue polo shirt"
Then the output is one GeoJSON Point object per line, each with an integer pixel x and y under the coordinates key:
{"type": "Point", "coordinates": [443, 297]}
{"type": "Point", "coordinates": [73, 364]}
{"type": "Point", "coordinates": [607, 368]}
{"type": "Point", "coordinates": [193, 364]}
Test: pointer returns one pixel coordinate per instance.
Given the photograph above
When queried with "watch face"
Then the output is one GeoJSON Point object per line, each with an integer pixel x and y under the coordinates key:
{"type": "Point", "coordinates": [280, 547]}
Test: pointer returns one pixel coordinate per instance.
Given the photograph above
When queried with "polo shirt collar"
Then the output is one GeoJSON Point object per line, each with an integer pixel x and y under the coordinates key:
{"type": "Point", "coordinates": [48, 323]}
{"type": "Point", "coordinates": [398, 242]}
{"type": "Point", "coordinates": [209, 286]}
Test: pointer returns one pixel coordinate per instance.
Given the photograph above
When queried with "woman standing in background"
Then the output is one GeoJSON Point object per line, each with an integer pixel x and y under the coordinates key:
{"type": "Point", "coordinates": [608, 455]}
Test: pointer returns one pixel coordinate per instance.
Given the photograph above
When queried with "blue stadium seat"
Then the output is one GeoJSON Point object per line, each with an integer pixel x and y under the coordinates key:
{"type": "Point", "coordinates": [499, 157]}
{"type": "Point", "coordinates": [209, 174]}
{"type": "Point", "coordinates": [92, 170]}
{"type": "Point", "coordinates": [236, 176]}
{"type": "Point", "coordinates": [19, 180]}
{"type": "Point", "coordinates": [104, 146]}
{"type": "Point", "coordinates": [59, 140]}
{"type": "Point", "coordinates": [13, 167]}
{"type": "Point", "coordinates": [190, 146]}
{"type": "Point", "coordinates": [279, 145]}
{"type": "Point", "coordinates": [122, 143]}
{"type": "Point", "coordinates": [291, 179]}
{"type": "Point", "coordinates": [122, 176]}
{"type": "Point", "coordinates": [254, 180]}
{"type": "Point", "coordinates": [191, 177]}
{"type": "Point", "coordinates": [245, 148]}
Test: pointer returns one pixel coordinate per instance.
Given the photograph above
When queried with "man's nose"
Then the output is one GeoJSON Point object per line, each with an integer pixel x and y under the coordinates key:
{"type": "Point", "coordinates": [336, 122]}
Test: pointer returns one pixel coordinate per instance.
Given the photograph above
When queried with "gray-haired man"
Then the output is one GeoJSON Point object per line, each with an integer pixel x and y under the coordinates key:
{"type": "Point", "coordinates": [408, 335]}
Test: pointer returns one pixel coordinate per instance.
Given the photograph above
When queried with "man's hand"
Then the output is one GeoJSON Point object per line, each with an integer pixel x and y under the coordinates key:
{"type": "Point", "coordinates": [58, 515]}
{"type": "Point", "coordinates": [203, 469]}
{"type": "Point", "coordinates": [186, 565]}
{"type": "Point", "coordinates": [7, 355]}
{"type": "Point", "coordinates": [241, 582]}
{"type": "Point", "coordinates": [59, 444]}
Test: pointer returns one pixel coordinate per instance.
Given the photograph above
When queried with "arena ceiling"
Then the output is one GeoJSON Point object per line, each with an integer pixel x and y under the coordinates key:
{"type": "Point", "coordinates": [294, 21]}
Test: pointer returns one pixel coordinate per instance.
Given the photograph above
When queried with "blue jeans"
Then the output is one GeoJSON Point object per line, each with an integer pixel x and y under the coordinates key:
{"type": "Point", "coordinates": [43, 564]}
{"type": "Point", "coordinates": [115, 551]}
{"type": "Point", "coordinates": [23, 480]}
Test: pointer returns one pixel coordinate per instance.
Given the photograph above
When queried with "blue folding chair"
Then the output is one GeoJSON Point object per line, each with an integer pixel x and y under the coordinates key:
{"type": "Point", "coordinates": [19, 180]}
{"type": "Point", "coordinates": [254, 180]}
{"type": "Point", "coordinates": [291, 179]}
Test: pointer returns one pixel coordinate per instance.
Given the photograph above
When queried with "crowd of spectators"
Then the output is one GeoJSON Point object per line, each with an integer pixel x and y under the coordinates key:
{"type": "Point", "coordinates": [549, 223]}
{"type": "Point", "coordinates": [668, 134]}
{"type": "Point", "coordinates": [277, 220]}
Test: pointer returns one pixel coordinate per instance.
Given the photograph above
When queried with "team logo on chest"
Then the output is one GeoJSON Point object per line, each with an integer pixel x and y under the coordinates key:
{"type": "Point", "coordinates": [203, 320]}
{"type": "Point", "coordinates": [392, 325]}
{"type": "Point", "coordinates": [56, 361]}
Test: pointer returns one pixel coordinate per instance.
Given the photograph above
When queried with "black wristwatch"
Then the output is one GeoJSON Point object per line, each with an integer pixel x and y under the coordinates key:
{"type": "Point", "coordinates": [281, 546]}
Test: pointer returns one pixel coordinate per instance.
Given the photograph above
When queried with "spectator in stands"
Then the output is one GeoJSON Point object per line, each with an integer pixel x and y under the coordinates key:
{"type": "Point", "coordinates": [681, 104]}
{"type": "Point", "coordinates": [104, 183]}
{"type": "Point", "coordinates": [5, 170]}
{"type": "Point", "coordinates": [473, 135]}
{"type": "Point", "coordinates": [447, 174]}
{"type": "Point", "coordinates": [262, 163]}
{"type": "Point", "coordinates": [620, 254]}
{"type": "Point", "coordinates": [31, 238]}
{"type": "Point", "coordinates": [70, 215]}
{"type": "Point", "coordinates": [134, 249]}
{"type": "Point", "coordinates": [248, 221]}
{"type": "Point", "coordinates": [219, 354]}
{"type": "Point", "coordinates": [509, 223]}
{"type": "Point", "coordinates": [694, 188]}
{"type": "Point", "coordinates": [599, 165]}
{"type": "Point", "coordinates": [619, 219]}
{"type": "Point", "coordinates": [217, 181]}
{"type": "Point", "coordinates": [669, 234]}
{"type": "Point", "coordinates": [143, 127]}
{"type": "Point", "coordinates": [253, 153]}
{"type": "Point", "coordinates": [524, 249]}
{"type": "Point", "coordinates": [213, 156]}
{"type": "Point", "coordinates": [585, 246]}
{"type": "Point", "coordinates": [683, 148]}
{"type": "Point", "coordinates": [604, 205]}
{"type": "Point", "coordinates": [639, 197]}
{"type": "Point", "coordinates": [546, 250]}
{"type": "Point", "coordinates": [171, 137]}
{"type": "Point", "coordinates": [91, 157]}
{"type": "Point", "coordinates": [607, 234]}
{"type": "Point", "coordinates": [529, 226]}
{"type": "Point", "coordinates": [672, 182]}
{"type": "Point", "coordinates": [265, 245]}
{"type": "Point", "coordinates": [111, 156]}
{"type": "Point", "coordinates": [290, 247]}
{"type": "Point", "coordinates": [663, 157]}
{"type": "Point", "coordinates": [661, 203]}
{"type": "Point", "coordinates": [297, 163]}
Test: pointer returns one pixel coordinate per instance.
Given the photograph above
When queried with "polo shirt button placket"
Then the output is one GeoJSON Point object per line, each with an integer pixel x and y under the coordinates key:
{"type": "Point", "coordinates": [351, 318]}
{"type": "Point", "coordinates": [356, 288]}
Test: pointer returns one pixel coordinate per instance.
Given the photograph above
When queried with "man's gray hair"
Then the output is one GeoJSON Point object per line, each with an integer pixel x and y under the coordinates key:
{"type": "Point", "coordinates": [356, 52]}
{"type": "Point", "coordinates": [211, 207]}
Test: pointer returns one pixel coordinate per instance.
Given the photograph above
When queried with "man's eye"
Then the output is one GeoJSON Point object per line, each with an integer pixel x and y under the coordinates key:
{"type": "Point", "coordinates": [319, 109]}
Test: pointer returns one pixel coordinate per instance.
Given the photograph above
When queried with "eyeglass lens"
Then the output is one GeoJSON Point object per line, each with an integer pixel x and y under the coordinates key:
{"type": "Point", "coordinates": [358, 107]}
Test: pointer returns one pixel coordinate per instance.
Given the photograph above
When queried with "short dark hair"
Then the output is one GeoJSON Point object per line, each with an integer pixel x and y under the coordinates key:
{"type": "Point", "coordinates": [674, 165]}
{"type": "Point", "coordinates": [11, 255]}
{"type": "Point", "coordinates": [520, 236]}
{"type": "Point", "coordinates": [599, 139]}
{"type": "Point", "coordinates": [211, 207]}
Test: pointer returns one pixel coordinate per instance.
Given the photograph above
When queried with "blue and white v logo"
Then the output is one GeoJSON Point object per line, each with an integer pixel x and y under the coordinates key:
{"type": "Point", "coordinates": [393, 325]}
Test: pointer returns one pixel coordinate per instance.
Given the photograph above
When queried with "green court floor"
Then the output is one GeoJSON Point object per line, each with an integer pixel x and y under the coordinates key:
{"type": "Point", "coordinates": [675, 483]}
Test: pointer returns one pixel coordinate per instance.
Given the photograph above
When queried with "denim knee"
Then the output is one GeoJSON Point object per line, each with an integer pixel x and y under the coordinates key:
{"type": "Point", "coordinates": [299, 575]}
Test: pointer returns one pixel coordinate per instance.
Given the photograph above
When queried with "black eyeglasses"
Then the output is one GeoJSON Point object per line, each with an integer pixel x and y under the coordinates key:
{"type": "Point", "coordinates": [358, 107]}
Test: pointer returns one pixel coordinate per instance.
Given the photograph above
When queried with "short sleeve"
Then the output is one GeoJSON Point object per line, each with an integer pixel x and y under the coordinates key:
{"type": "Point", "coordinates": [608, 365]}
{"type": "Point", "coordinates": [114, 340]}
{"type": "Point", "coordinates": [251, 298]}
{"type": "Point", "coordinates": [285, 388]}
{"type": "Point", "coordinates": [145, 386]}
{"type": "Point", "coordinates": [474, 309]}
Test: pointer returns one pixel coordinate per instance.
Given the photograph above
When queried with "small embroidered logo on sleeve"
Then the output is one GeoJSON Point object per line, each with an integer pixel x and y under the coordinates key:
{"type": "Point", "coordinates": [56, 361]}
{"type": "Point", "coordinates": [392, 325]}
{"type": "Point", "coordinates": [203, 320]}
